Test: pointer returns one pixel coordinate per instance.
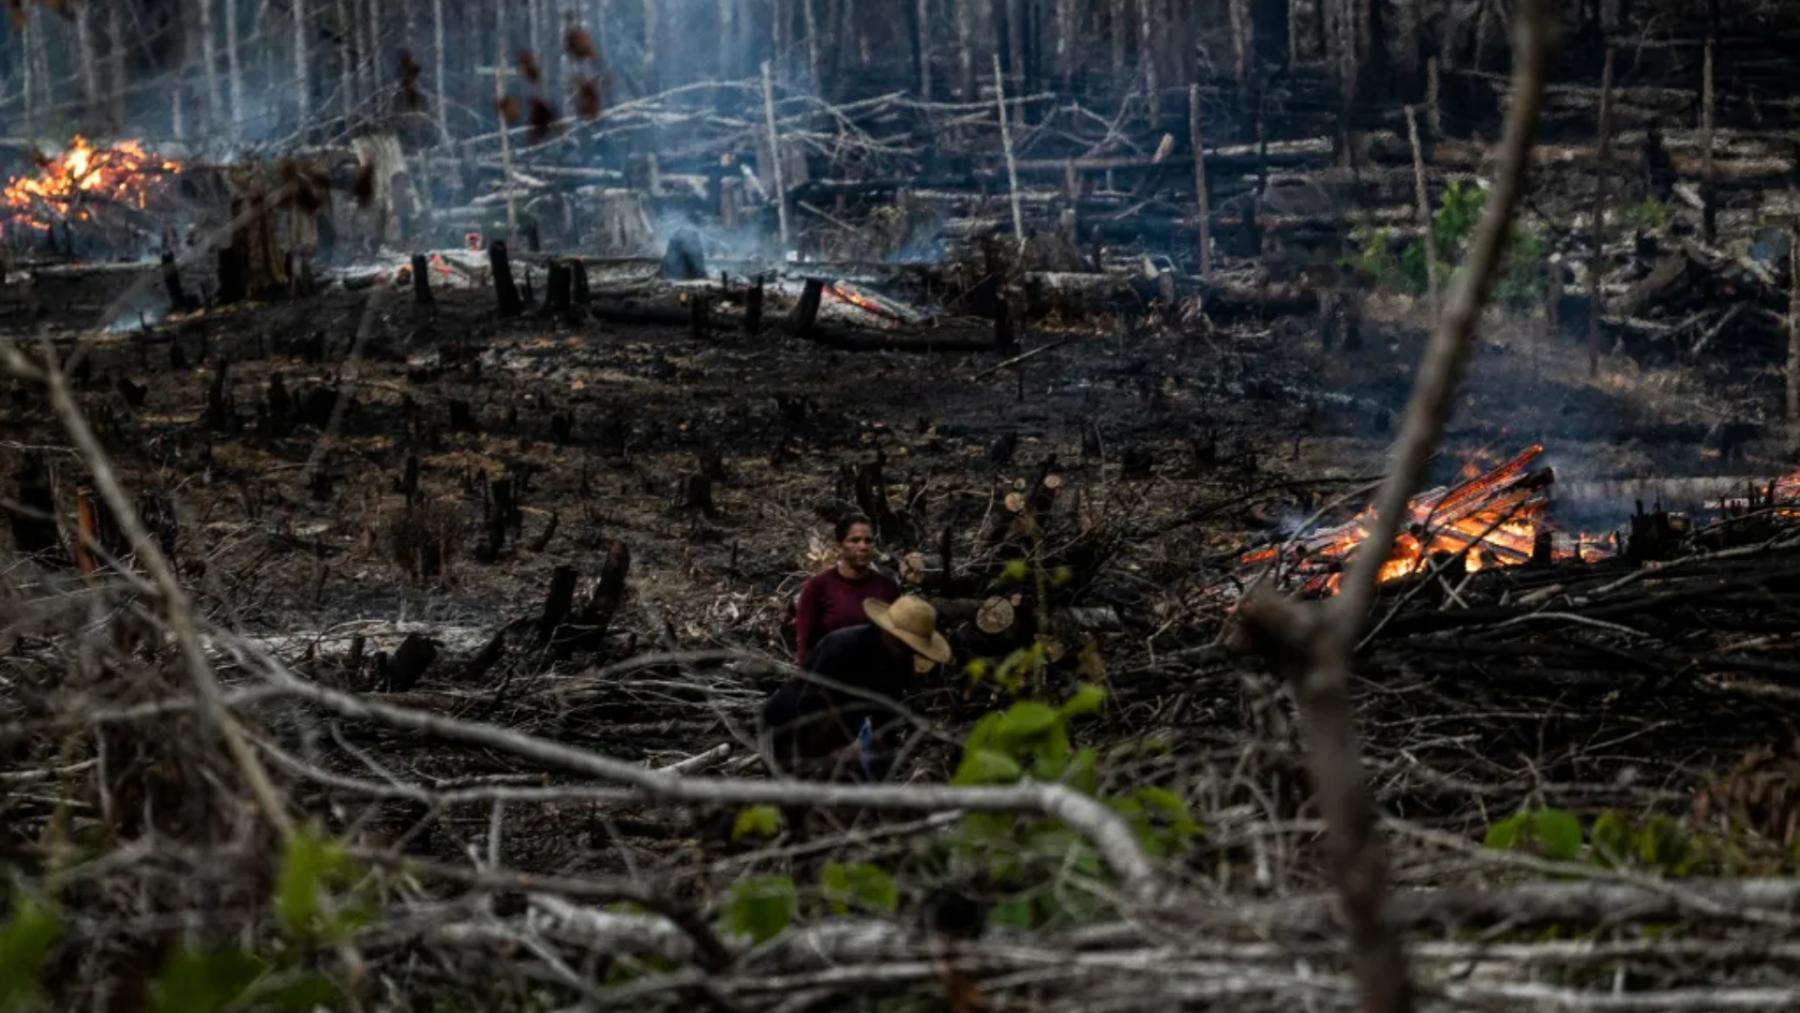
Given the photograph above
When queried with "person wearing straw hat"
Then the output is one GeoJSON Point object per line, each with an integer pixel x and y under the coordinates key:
{"type": "Point", "coordinates": [838, 712]}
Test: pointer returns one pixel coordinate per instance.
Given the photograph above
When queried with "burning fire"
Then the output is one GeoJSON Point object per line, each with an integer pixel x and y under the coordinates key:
{"type": "Point", "coordinates": [1494, 519]}
{"type": "Point", "coordinates": [881, 310]}
{"type": "Point", "coordinates": [121, 174]}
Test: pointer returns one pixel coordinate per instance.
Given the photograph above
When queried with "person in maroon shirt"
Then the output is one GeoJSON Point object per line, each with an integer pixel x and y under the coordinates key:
{"type": "Point", "coordinates": [834, 599]}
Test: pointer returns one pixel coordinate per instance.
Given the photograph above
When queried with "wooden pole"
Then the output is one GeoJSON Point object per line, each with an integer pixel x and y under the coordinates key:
{"type": "Point", "coordinates": [775, 171]}
{"type": "Point", "coordinates": [1793, 359]}
{"type": "Point", "coordinates": [1708, 212]}
{"type": "Point", "coordinates": [1434, 114]}
{"type": "Point", "coordinates": [1203, 206]}
{"type": "Point", "coordinates": [1598, 267]}
{"type": "Point", "coordinates": [1424, 198]}
{"type": "Point", "coordinates": [1012, 165]}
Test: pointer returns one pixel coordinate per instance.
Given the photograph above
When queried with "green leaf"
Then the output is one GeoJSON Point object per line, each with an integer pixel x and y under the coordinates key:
{"type": "Point", "coordinates": [1017, 913]}
{"type": "Point", "coordinates": [1558, 833]}
{"type": "Point", "coordinates": [1026, 721]}
{"type": "Point", "coordinates": [758, 820]}
{"type": "Point", "coordinates": [985, 766]}
{"type": "Point", "coordinates": [761, 907]}
{"type": "Point", "coordinates": [310, 866]}
{"type": "Point", "coordinates": [1086, 700]}
{"type": "Point", "coordinates": [1015, 570]}
{"type": "Point", "coordinates": [858, 884]}
{"type": "Point", "coordinates": [203, 981]}
{"type": "Point", "coordinates": [1504, 835]}
{"type": "Point", "coordinates": [24, 945]}
{"type": "Point", "coordinates": [1611, 836]}
{"type": "Point", "coordinates": [978, 669]}
{"type": "Point", "coordinates": [1079, 773]}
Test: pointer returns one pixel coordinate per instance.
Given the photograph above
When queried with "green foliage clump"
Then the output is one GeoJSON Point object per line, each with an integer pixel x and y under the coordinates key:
{"type": "Point", "coordinates": [1031, 739]}
{"type": "Point", "coordinates": [1521, 277]}
{"type": "Point", "coordinates": [761, 907]}
{"type": "Point", "coordinates": [756, 821]}
{"type": "Point", "coordinates": [1656, 844]}
{"type": "Point", "coordinates": [25, 943]}
{"type": "Point", "coordinates": [1647, 215]}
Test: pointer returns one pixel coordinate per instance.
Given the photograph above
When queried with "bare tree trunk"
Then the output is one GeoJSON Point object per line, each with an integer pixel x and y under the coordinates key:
{"type": "Point", "coordinates": [87, 63]}
{"type": "Point", "coordinates": [1709, 217]}
{"type": "Point", "coordinates": [965, 51]}
{"type": "Point", "coordinates": [1424, 197]}
{"type": "Point", "coordinates": [437, 77]}
{"type": "Point", "coordinates": [209, 59]}
{"type": "Point", "coordinates": [1012, 166]}
{"type": "Point", "coordinates": [1203, 206]}
{"type": "Point", "coordinates": [117, 47]}
{"type": "Point", "coordinates": [29, 44]}
{"type": "Point", "coordinates": [1065, 43]}
{"type": "Point", "coordinates": [1117, 22]}
{"type": "Point", "coordinates": [1240, 43]}
{"type": "Point", "coordinates": [1147, 55]}
{"type": "Point", "coordinates": [346, 62]}
{"type": "Point", "coordinates": [775, 168]}
{"type": "Point", "coordinates": [924, 9]}
{"type": "Point", "coordinates": [302, 83]}
{"type": "Point", "coordinates": [727, 37]}
{"type": "Point", "coordinates": [534, 31]}
{"type": "Point", "coordinates": [374, 49]}
{"type": "Point", "coordinates": [506, 160]}
{"type": "Point", "coordinates": [810, 18]}
{"type": "Point", "coordinates": [234, 71]}
{"type": "Point", "coordinates": [1793, 357]}
{"type": "Point", "coordinates": [652, 11]}
{"type": "Point", "coordinates": [1598, 267]}
{"type": "Point", "coordinates": [1434, 114]}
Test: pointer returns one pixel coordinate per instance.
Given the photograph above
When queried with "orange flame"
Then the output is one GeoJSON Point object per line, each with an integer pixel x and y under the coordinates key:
{"type": "Point", "coordinates": [121, 174]}
{"type": "Point", "coordinates": [1493, 520]}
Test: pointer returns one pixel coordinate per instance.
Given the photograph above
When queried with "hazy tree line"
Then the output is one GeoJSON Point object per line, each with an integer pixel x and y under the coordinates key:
{"type": "Point", "coordinates": [259, 69]}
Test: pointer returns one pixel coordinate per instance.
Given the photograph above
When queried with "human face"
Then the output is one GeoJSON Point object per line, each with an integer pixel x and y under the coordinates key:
{"type": "Point", "coordinates": [858, 547]}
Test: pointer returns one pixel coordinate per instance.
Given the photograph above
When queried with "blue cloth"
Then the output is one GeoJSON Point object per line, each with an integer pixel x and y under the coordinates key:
{"type": "Point", "coordinates": [865, 749]}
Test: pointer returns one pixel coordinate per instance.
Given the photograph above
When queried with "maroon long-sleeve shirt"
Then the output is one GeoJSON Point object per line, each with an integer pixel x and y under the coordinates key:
{"type": "Point", "coordinates": [831, 601]}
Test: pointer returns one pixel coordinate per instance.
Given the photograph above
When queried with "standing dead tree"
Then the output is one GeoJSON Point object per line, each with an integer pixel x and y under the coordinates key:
{"type": "Point", "coordinates": [1315, 645]}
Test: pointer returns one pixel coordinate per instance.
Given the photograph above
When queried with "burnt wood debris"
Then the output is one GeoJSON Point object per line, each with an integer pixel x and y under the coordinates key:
{"type": "Point", "coordinates": [1349, 448]}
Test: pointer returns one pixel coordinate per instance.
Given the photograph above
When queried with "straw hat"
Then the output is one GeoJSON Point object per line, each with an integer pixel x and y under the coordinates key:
{"type": "Point", "coordinates": [914, 621]}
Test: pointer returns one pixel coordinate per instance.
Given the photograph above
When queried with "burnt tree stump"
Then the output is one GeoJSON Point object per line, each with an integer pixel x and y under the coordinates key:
{"type": "Point", "coordinates": [179, 300]}
{"type": "Point", "coordinates": [694, 493]}
{"type": "Point", "coordinates": [402, 672]}
{"type": "Point", "coordinates": [462, 419]}
{"type": "Point", "coordinates": [409, 479]}
{"type": "Point", "coordinates": [559, 293]}
{"type": "Point", "coordinates": [579, 291]}
{"type": "Point", "coordinates": [753, 307]}
{"type": "Point", "coordinates": [806, 311]}
{"type": "Point", "coordinates": [234, 275]}
{"type": "Point", "coordinates": [506, 292]}
{"type": "Point", "coordinates": [699, 317]}
{"type": "Point", "coordinates": [558, 602]}
{"type": "Point", "coordinates": [421, 279]}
